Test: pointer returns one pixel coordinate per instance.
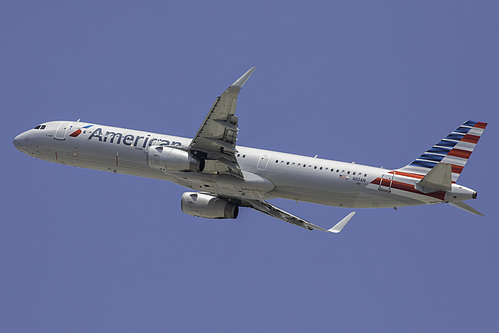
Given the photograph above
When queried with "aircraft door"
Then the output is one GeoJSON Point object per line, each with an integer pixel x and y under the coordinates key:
{"type": "Point", "coordinates": [263, 161]}
{"type": "Point", "coordinates": [385, 183]}
{"type": "Point", "coordinates": [62, 130]}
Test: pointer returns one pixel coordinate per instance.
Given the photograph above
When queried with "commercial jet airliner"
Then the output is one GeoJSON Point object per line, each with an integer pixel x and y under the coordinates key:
{"type": "Point", "coordinates": [225, 176]}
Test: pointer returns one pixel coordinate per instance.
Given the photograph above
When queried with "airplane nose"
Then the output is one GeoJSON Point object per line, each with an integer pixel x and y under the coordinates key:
{"type": "Point", "coordinates": [17, 141]}
{"type": "Point", "coordinates": [20, 142]}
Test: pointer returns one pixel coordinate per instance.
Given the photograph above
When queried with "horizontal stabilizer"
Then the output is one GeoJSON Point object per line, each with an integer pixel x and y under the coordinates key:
{"type": "Point", "coordinates": [437, 179]}
{"type": "Point", "coordinates": [463, 206]}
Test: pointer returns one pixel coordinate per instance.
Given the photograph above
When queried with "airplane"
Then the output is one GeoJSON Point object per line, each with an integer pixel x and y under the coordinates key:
{"type": "Point", "coordinates": [225, 176]}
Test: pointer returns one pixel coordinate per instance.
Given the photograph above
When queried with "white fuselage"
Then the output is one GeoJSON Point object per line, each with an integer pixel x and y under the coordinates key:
{"type": "Point", "coordinates": [267, 174]}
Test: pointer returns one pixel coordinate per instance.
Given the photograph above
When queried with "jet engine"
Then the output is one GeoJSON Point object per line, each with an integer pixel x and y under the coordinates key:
{"type": "Point", "coordinates": [173, 159]}
{"type": "Point", "coordinates": [208, 206]}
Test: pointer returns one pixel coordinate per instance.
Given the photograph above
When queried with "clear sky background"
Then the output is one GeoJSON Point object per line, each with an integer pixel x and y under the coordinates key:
{"type": "Point", "coordinates": [374, 82]}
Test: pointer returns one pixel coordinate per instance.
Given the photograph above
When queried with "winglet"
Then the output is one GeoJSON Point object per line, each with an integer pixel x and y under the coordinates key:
{"type": "Point", "coordinates": [340, 225]}
{"type": "Point", "coordinates": [239, 83]}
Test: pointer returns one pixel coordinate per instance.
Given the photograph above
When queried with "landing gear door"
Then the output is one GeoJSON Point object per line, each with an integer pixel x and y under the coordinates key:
{"type": "Point", "coordinates": [386, 182]}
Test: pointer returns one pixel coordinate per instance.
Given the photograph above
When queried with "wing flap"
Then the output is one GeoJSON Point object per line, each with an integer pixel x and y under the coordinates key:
{"type": "Point", "coordinates": [228, 125]}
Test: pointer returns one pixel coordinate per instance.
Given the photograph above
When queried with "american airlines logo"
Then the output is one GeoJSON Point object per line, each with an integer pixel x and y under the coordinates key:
{"type": "Point", "coordinates": [128, 139]}
{"type": "Point", "coordinates": [78, 131]}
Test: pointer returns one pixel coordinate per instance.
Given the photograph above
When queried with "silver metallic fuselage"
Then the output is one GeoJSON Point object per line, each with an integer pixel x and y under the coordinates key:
{"type": "Point", "coordinates": [267, 174]}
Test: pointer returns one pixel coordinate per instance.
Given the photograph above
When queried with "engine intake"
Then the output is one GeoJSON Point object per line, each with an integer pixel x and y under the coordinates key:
{"type": "Point", "coordinates": [208, 206]}
{"type": "Point", "coordinates": [173, 159]}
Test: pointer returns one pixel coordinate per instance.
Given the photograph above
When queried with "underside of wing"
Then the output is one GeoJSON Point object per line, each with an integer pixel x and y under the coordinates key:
{"type": "Point", "coordinates": [271, 210]}
{"type": "Point", "coordinates": [215, 140]}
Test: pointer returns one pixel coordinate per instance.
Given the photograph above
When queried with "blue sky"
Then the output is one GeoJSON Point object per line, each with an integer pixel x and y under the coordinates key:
{"type": "Point", "coordinates": [377, 83]}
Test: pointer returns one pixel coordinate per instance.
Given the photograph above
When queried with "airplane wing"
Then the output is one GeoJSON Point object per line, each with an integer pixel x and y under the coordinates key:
{"type": "Point", "coordinates": [269, 209]}
{"type": "Point", "coordinates": [215, 140]}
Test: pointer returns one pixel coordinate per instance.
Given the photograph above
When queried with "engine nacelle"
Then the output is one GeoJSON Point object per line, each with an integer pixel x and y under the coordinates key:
{"type": "Point", "coordinates": [208, 206]}
{"type": "Point", "coordinates": [173, 159]}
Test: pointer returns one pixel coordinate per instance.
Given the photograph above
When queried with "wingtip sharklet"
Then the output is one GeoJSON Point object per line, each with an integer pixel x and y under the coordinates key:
{"type": "Point", "coordinates": [340, 225]}
{"type": "Point", "coordinates": [239, 83]}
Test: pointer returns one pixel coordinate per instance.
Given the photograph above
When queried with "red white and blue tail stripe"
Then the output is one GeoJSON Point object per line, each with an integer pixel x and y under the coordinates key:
{"type": "Point", "coordinates": [455, 149]}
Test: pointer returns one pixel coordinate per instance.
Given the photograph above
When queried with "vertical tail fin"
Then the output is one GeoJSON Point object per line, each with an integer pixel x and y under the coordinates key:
{"type": "Point", "coordinates": [455, 149]}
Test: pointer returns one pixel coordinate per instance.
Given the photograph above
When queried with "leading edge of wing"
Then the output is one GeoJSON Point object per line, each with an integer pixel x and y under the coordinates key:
{"type": "Point", "coordinates": [271, 210]}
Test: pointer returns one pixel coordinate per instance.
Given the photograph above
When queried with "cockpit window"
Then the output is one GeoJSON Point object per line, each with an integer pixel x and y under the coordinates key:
{"type": "Point", "coordinates": [38, 127]}
{"type": "Point", "coordinates": [43, 127]}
